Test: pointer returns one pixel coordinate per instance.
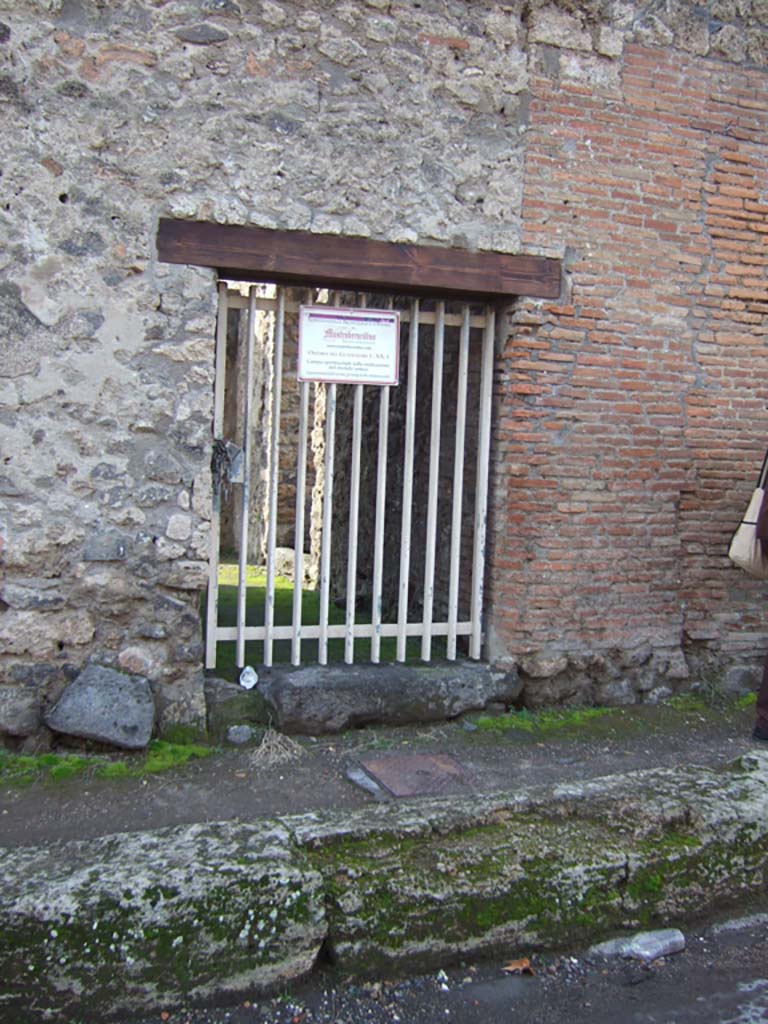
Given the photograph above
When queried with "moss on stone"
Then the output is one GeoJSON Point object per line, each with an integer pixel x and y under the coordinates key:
{"type": "Point", "coordinates": [570, 870]}
{"type": "Point", "coordinates": [183, 734]}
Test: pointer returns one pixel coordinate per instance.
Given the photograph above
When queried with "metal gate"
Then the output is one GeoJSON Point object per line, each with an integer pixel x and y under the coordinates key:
{"type": "Point", "coordinates": [428, 440]}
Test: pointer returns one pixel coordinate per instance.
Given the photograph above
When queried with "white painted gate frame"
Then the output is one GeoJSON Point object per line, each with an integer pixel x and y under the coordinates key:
{"type": "Point", "coordinates": [376, 629]}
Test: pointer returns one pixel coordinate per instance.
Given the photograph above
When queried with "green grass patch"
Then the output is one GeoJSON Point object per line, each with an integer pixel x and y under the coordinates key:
{"type": "Point", "coordinates": [702, 701]}
{"type": "Point", "coordinates": [541, 722]}
{"type": "Point", "coordinates": [160, 756]}
{"type": "Point", "coordinates": [256, 593]}
{"type": "Point", "coordinates": [22, 769]}
{"type": "Point", "coordinates": [707, 698]}
{"type": "Point", "coordinates": [115, 770]}
{"type": "Point", "coordinates": [690, 709]}
{"type": "Point", "coordinates": [163, 755]}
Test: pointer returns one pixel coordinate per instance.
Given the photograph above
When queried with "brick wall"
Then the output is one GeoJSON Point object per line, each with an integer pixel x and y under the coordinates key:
{"type": "Point", "coordinates": [632, 413]}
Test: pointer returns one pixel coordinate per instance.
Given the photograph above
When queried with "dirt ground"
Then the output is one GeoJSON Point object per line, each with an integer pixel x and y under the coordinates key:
{"type": "Point", "coordinates": [232, 784]}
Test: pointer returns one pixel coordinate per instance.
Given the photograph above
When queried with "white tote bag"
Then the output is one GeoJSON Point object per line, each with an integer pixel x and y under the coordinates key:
{"type": "Point", "coordinates": [745, 550]}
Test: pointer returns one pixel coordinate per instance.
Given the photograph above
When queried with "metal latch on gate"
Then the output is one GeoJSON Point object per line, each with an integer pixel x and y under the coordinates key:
{"type": "Point", "coordinates": [227, 466]}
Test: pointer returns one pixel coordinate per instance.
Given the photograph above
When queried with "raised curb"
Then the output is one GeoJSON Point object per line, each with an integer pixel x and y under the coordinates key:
{"type": "Point", "coordinates": [147, 919]}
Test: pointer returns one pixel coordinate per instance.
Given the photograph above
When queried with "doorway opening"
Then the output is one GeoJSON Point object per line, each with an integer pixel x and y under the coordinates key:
{"type": "Point", "coordinates": [349, 520]}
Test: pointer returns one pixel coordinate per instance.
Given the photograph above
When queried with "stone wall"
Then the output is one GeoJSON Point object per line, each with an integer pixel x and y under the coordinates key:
{"type": "Point", "coordinates": [625, 137]}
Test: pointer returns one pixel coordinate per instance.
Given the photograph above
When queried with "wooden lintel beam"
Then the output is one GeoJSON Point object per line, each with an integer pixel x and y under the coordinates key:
{"type": "Point", "coordinates": [300, 257]}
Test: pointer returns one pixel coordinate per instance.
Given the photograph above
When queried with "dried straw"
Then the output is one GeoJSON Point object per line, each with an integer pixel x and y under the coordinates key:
{"type": "Point", "coordinates": [276, 748]}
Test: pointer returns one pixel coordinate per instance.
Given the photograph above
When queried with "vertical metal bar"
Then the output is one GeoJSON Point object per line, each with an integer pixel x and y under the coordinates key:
{"type": "Point", "coordinates": [212, 609]}
{"type": "Point", "coordinates": [405, 529]}
{"type": "Point", "coordinates": [246, 493]}
{"type": "Point", "coordinates": [378, 532]}
{"type": "Point", "coordinates": [298, 542]}
{"type": "Point", "coordinates": [434, 479]}
{"type": "Point", "coordinates": [325, 542]}
{"type": "Point", "coordinates": [354, 517]}
{"type": "Point", "coordinates": [381, 504]}
{"type": "Point", "coordinates": [458, 485]}
{"type": "Point", "coordinates": [354, 511]}
{"type": "Point", "coordinates": [481, 489]}
{"type": "Point", "coordinates": [274, 478]}
{"type": "Point", "coordinates": [298, 536]}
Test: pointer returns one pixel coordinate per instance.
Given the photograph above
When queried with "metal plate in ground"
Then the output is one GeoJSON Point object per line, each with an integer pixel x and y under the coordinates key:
{"type": "Point", "coordinates": [416, 774]}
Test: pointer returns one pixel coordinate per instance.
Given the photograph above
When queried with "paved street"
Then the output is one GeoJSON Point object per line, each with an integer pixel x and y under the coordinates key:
{"type": "Point", "coordinates": [720, 978]}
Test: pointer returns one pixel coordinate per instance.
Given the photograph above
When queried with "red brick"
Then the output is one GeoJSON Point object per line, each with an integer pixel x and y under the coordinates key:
{"type": "Point", "coordinates": [451, 42]}
{"type": "Point", "coordinates": [640, 435]}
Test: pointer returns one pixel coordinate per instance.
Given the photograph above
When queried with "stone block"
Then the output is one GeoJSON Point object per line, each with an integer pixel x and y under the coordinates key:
{"type": "Point", "coordinates": [616, 694]}
{"type": "Point", "coordinates": [651, 31]}
{"type": "Point", "coordinates": [37, 594]}
{"type": "Point", "coordinates": [179, 526]}
{"type": "Point", "coordinates": [677, 667]}
{"type": "Point", "coordinates": [138, 919]}
{"type": "Point", "coordinates": [558, 28]}
{"type": "Point", "coordinates": [740, 679]}
{"type": "Point", "coordinates": [105, 546]}
{"type": "Point", "coordinates": [543, 665]}
{"type": "Point", "coordinates": [108, 706]}
{"type": "Point", "coordinates": [192, 652]}
{"type": "Point", "coordinates": [42, 676]}
{"type": "Point", "coordinates": [202, 35]}
{"type": "Point", "coordinates": [610, 41]}
{"type": "Point", "coordinates": [659, 695]}
{"type": "Point", "coordinates": [25, 342]}
{"type": "Point", "coordinates": [320, 699]}
{"type": "Point", "coordinates": [239, 735]}
{"type": "Point", "coordinates": [136, 660]}
{"type": "Point", "coordinates": [230, 705]}
{"type": "Point", "coordinates": [19, 710]}
{"type": "Point", "coordinates": [637, 656]}
{"type": "Point", "coordinates": [186, 575]}
{"type": "Point", "coordinates": [132, 921]}
{"type": "Point", "coordinates": [160, 466]}
{"type": "Point", "coordinates": [693, 36]}
{"type": "Point", "coordinates": [730, 42]}
{"type": "Point", "coordinates": [40, 634]}
{"type": "Point", "coordinates": [568, 688]}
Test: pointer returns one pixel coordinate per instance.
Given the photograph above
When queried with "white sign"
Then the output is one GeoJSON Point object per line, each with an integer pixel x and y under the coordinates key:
{"type": "Point", "coordinates": [349, 346]}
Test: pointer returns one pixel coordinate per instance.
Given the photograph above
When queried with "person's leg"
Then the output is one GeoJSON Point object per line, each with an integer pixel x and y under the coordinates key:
{"type": "Point", "coordinates": [761, 724]}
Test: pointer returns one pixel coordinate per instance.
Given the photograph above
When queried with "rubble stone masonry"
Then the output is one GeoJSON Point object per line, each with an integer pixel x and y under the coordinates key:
{"type": "Point", "coordinates": [626, 138]}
